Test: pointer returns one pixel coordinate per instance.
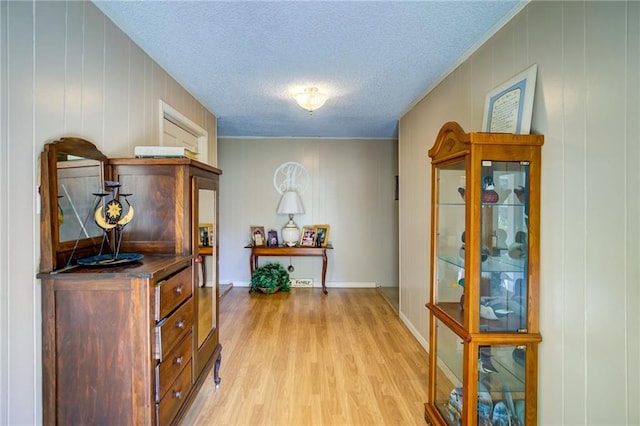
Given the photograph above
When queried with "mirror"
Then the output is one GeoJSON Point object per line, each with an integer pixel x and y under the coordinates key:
{"type": "Point", "coordinates": [207, 250]}
{"type": "Point", "coordinates": [71, 171]}
{"type": "Point", "coordinates": [78, 178]}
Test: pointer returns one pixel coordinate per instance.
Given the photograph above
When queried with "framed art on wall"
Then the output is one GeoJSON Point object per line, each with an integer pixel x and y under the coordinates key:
{"type": "Point", "coordinates": [508, 107]}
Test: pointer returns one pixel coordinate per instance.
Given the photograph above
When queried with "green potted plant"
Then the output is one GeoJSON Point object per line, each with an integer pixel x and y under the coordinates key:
{"type": "Point", "coordinates": [270, 278]}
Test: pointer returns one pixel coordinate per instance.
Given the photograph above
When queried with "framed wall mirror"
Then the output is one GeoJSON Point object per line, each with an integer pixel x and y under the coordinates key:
{"type": "Point", "coordinates": [71, 172]}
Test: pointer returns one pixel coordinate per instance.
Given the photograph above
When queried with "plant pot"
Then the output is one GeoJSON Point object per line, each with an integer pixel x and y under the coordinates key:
{"type": "Point", "coordinates": [266, 290]}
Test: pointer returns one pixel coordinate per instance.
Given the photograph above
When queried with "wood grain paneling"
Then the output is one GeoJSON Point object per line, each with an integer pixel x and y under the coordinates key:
{"type": "Point", "coordinates": [351, 187]}
{"type": "Point", "coordinates": [18, 304]}
{"type": "Point", "coordinates": [80, 320]}
{"type": "Point", "coordinates": [586, 105]}
{"type": "Point", "coordinates": [65, 70]}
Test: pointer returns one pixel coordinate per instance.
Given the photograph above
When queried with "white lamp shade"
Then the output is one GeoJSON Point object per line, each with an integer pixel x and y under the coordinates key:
{"type": "Point", "coordinates": [290, 203]}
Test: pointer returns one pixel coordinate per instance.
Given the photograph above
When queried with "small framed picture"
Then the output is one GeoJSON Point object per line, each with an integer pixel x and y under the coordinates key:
{"type": "Point", "coordinates": [258, 236]}
{"type": "Point", "coordinates": [322, 235]}
{"type": "Point", "coordinates": [272, 238]}
{"type": "Point", "coordinates": [206, 237]}
{"type": "Point", "coordinates": [308, 236]}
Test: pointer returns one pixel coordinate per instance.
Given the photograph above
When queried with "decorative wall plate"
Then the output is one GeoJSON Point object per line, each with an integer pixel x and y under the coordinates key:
{"type": "Point", "coordinates": [291, 176]}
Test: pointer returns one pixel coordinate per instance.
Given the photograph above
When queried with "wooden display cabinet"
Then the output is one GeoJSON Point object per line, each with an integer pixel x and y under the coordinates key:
{"type": "Point", "coordinates": [484, 289]}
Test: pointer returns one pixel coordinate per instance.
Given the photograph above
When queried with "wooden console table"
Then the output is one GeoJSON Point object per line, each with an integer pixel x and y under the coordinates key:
{"type": "Point", "coordinates": [257, 251]}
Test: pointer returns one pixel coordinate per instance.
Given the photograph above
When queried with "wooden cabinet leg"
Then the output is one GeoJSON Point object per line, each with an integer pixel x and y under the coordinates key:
{"type": "Point", "coordinates": [324, 271]}
{"type": "Point", "coordinates": [216, 369]}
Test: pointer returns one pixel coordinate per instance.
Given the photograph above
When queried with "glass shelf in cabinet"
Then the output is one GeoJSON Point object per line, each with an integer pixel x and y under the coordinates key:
{"type": "Point", "coordinates": [503, 263]}
{"type": "Point", "coordinates": [452, 203]}
{"type": "Point", "coordinates": [511, 323]}
{"type": "Point", "coordinates": [492, 264]}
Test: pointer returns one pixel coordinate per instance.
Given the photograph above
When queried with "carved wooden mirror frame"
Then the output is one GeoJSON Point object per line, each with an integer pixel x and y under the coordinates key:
{"type": "Point", "coordinates": [56, 254]}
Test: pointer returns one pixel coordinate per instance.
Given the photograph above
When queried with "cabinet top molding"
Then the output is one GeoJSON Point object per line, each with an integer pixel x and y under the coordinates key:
{"type": "Point", "coordinates": [452, 139]}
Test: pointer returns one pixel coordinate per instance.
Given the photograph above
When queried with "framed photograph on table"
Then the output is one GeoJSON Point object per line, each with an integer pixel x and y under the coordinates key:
{"type": "Point", "coordinates": [258, 236]}
{"type": "Point", "coordinates": [322, 235]}
{"type": "Point", "coordinates": [509, 106]}
{"type": "Point", "coordinates": [206, 237]}
{"type": "Point", "coordinates": [307, 236]}
{"type": "Point", "coordinates": [272, 238]}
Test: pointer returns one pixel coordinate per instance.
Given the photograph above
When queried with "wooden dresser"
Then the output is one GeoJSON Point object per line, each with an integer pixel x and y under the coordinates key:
{"type": "Point", "coordinates": [117, 342]}
{"type": "Point", "coordinates": [128, 344]}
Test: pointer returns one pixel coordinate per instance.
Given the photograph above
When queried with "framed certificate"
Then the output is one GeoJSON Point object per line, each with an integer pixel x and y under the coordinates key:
{"type": "Point", "coordinates": [509, 106]}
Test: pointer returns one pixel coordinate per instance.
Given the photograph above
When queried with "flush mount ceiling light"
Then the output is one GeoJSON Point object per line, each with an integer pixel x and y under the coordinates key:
{"type": "Point", "coordinates": [310, 99]}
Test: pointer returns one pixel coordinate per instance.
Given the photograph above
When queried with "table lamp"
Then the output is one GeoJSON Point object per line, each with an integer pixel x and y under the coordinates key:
{"type": "Point", "coordinates": [290, 204]}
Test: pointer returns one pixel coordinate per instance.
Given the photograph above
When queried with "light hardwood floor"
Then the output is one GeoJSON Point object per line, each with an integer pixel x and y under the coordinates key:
{"type": "Point", "coordinates": [303, 358]}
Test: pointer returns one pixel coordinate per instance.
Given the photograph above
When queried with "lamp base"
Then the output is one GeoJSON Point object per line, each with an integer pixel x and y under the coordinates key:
{"type": "Point", "coordinates": [290, 234]}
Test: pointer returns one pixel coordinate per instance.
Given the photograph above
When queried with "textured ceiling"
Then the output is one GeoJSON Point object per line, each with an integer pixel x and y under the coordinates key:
{"type": "Point", "coordinates": [245, 59]}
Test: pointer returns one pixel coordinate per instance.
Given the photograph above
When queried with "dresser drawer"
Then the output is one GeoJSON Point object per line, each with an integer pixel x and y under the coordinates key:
{"type": "Point", "coordinates": [170, 293]}
{"type": "Point", "coordinates": [175, 397]}
{"type": "Point", "coordinates": [173, 364]}
{"type": "Point", "coordinates": [172, 329]}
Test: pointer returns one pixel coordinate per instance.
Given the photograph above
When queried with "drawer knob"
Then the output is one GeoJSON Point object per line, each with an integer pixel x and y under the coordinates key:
{"type": "Point", "coordinates": [177, 394]}
{"type": "Point", "coordinates": [178, 360]}
{"type": "Point", "coordinates": [178, 290]}
{"type": "Point", "coordinates": [180, 323]}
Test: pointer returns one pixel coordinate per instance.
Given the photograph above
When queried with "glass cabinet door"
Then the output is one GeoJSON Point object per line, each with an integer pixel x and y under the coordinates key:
{"type": "Point", "coordinates": [448, 379]}
{"type": "Point", "coordinates": [501, 388]}
{"type": "Point", "coordinates": [450, 238]}
{"type": "Point", "coordinates": [503, 235]}
{"type": "Point", "coordinates": [501, 385]}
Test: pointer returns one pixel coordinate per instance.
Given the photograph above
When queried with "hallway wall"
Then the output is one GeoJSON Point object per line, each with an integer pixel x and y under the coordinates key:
{"type": "Point", "coordinates": [66, 70]}
{"type": "Point", "coordinates": [587, 105]}
{"type": "Point", "coordinates": [351, 188]}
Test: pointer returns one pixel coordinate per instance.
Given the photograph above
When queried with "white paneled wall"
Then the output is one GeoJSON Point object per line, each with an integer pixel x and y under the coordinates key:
{"type": "Point", "coordinates": [352, 189]}
{"type": "Point", "coordinates": [587, 104]}
{"type": "Point", "coordinates": [66, 70]}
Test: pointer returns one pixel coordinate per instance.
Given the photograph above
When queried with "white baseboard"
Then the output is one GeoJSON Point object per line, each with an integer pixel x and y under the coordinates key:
{"type": "Point", "coordinates": [318, 284]}
{"type": "Point", "coordinates": [414, 331]}
{"type": "Point", "coordinates": [347, 285]}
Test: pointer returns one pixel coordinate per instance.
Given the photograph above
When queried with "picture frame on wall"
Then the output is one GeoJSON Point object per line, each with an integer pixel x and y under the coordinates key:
{"type": "Point", "coordinates": [258, 236]}
{"type": "Point", "coordinates": [307, 237]}
{"type": "Point", "coordinates": [272, 238]}
{"type": "Point", "coordinates": [322, 235]}
{"type": "Point", "coordinates": [508, 107]}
